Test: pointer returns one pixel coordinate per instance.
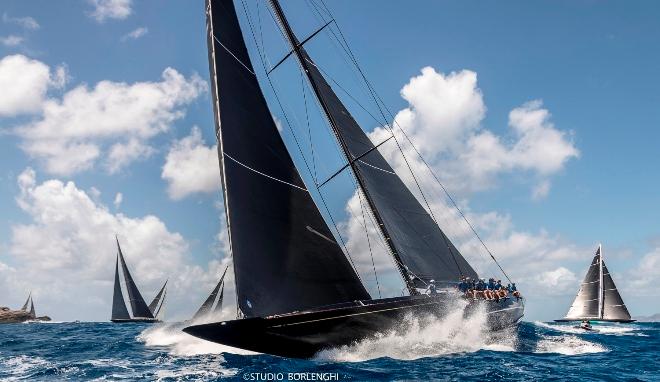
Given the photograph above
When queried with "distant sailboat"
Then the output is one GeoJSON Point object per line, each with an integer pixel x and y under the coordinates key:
{"type": "Point", "coordinates": [207, 307]}
{"type": "Point", "coordinates": [27, 302]}
{"type": "Point", "coordinates": [141, 312]}
{"type": "Point", "coordinates": [598, 299]}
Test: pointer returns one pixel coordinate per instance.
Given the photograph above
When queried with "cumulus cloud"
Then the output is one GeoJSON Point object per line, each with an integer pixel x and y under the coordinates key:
{"type": "Point", "coordinates": [112, 118]}
{"type": "Point", "coordinates": [110, 9]}
{"type": "Point", "coordinates": [24, 83]}
{"type": "Point", "coordinates": [67, 252]}
{"type": "Point", "coordinates": [135, 34]}
{"type": "Point", "coordinates": [24, 22]}
{"type": "Point", "coordinates": [444, 119]}
{"type": "Point", "coordinates": [191, 167]}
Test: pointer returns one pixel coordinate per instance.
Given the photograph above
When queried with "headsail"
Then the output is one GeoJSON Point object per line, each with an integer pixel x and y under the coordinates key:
{"type": "Point", "coordinates": [207, 306]}
{"type": "Point", "coordinates": [138, 306]}
{"type": "Point", "coordinates": [283, 260]}
{"type": "Point", "coordinates": [33, 314]}
{"type": "Point", "coordinates": [613, 305]}
{"type": "Point", "coordinates": [119, 310]}
{"type": "Point", "coordinates": [415, 240]}
{"type": "Point", "coordinates": [27, 302]}
{"type": "Point", "coordinates": [598, 297]}
{"type": "Point", "coordinates": [156, 302]}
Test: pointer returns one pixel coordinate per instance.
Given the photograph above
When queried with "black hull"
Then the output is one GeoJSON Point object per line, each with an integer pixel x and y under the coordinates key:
{"type": "Point", "coordinates": [142, 320]}
{"type": "Point", "coordinates": [303, 334]}
{"type": "Point", "coordinates": [594, 320]}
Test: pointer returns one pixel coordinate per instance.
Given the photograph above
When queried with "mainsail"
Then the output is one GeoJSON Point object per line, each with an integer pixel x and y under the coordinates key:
{"type": "Point", "coordinates": [138, 306]}
{"type": "Point", "coordinates": [415, 240]}
{"type": "Point", "coordinates": [284, 256]}
{"type": "Point", "coordinates": [598, 297]}
{"type": "Point", "coordinates": [119, 310]}
{"type": "Point", "coordinates": [207, 306]}
{"type": "Point", "coordinates": [158, 301]}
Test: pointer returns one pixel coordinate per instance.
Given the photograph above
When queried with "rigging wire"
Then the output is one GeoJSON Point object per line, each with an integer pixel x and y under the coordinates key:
{"type": "Point", "coordinates": [264, 67]}
{"type": "Point", "coordinates": [377, 98]}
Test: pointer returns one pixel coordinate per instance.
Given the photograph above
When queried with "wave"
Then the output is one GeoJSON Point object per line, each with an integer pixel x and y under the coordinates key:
{"type": "Point", "coordinates": [170, 335]}
{"type": "Point", "coordinates": [426, 337]}
{"type": "Point", "coordinates": [614, 329]}
{"type": "Point", "coordinates": [567, 345]}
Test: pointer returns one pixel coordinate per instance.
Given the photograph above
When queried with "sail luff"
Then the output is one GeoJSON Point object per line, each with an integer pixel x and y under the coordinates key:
{"type": "Point", "coordinates": [33, 314]}
{"type": "Point", "coordinates": [138, 306]}
{"type": "Point", "coordinates": [27, 302]}
{"type": "Point", "coordinates": [154, 303]}
{"type": "Point", "coordinates": [280, 265]}
{"type": "Point", "coordinates": [414, 239]}
{"type": "Point", "coordinates": [206, 307]}
{"type": "Point", "coordinates": [218, 305]}
{"type": "Point", "coordinates": [601, 297]}
{"type": "Point", "coordinates": [119, 310]}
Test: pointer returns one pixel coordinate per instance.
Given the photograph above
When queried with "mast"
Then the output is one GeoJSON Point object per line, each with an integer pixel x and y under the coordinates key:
{"type": "Point", "coordinates": [302, 60]}
{"type": "Point", "coordinates": [600, 282]}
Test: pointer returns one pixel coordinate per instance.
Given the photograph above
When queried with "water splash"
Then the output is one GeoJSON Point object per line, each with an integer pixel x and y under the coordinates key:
{"type": "Point", "coordinates": [567, 345]}
{"type": "Point", "coordinates": [182, 344]}
{"type": "Point", "coordinates": [419, 337]}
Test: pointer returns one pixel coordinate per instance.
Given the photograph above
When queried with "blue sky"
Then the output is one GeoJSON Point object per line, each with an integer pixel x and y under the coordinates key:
{"type": "Point", "coordinates": [592, 65]}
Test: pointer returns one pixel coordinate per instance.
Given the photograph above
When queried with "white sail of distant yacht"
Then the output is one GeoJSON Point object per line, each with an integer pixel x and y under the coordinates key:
{"type": "Point", "coordinates": [598, 298]}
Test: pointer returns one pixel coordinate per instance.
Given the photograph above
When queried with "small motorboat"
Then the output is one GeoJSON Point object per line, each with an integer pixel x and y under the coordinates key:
{"type": "Point", "coordinates": [586, 326]}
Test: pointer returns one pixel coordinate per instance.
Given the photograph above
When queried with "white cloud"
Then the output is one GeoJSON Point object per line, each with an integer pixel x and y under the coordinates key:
{"type": "Point", "coordinates": [11, 40]}
{"type": "Point", "coordinates": [122, 154]}
{"type": "Point", "coordinates": [110, 9]}
{"type": "Point", "coordinates": [67, 252]}
{"type": "Point", "coordinates": [113, 118]}
{"type": "Point", "coordinates": [24, 22]}
{"type": "Point", "coordinates": [191, 167]}
{"type": "Point", "coordinates": [643, 279]}
{"type": "Point", "coordinates": [119, 197]}
{"type": "Point", "coordinates": [135, 34]}
{"type": "Point", "coordinates": [24, 83]}
{"type": "Point", "coordinates": [444, 122]}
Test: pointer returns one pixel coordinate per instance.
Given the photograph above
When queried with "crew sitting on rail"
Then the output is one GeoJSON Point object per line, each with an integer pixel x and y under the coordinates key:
{"type": "Point", "coordinates": [431, 289]}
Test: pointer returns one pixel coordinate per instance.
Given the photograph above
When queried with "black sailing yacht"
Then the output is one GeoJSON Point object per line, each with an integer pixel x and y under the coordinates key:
{"type": "Point", "coordinates": [598, 299]}
{"type": "Point", "coordinates": [297, 292]}
{"type": "Point", "coordinates": [141, 312]}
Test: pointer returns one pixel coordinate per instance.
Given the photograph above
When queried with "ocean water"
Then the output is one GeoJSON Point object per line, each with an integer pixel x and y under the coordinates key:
{"type": "Point", "coordinates": [450, 349]}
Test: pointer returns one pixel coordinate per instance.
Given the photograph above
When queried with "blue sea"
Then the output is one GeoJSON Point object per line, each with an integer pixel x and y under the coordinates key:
{"type": "Point", "coordinates": [461, 352]}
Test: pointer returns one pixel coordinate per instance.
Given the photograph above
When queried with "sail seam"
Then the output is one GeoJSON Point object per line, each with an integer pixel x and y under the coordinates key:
{"type": "Point", "coordinates": [233, 55]}
{"type": "Point", "coordinates": [263, 174]}
{"type": "Point", "coordinates": [378, 168]}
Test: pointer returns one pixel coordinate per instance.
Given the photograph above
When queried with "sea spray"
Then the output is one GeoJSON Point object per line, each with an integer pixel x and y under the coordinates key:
{"type": "Point", "coordinates": [427, 336]}
{"type": "Point", "coordinates": [170, 335]}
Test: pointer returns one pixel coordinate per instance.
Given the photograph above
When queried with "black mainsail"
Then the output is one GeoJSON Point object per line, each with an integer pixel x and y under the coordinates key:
{"type": "Point", "coordinates": [138, 306]}
{"type": "Point", "coordinates": [598, 298]}
{"type": "Point", "coordinates": [284, 256]}
{"type": "Point", "coordinates": [119, 310]}
{"type": "Point", "coordinates": [417, 243]}
{"type": "Point", "coordinates": [207, 305]}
